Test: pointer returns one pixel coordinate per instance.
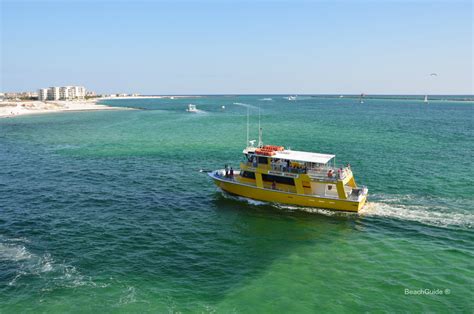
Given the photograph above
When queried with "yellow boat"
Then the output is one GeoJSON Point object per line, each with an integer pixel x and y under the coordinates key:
{"type": "Point", "coordinates": [275, 174]}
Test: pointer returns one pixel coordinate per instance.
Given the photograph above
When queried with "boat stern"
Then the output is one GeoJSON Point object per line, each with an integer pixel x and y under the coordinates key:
{"type": "Point", "coordinates": [363, 198]}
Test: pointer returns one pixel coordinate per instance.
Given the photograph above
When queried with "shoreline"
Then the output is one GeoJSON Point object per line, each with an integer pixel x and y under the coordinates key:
{"type": "Point", "coordinates": [148, 97]}
{"type": "Point", "coordinates": [21, 108]}
{"type": "Point", "coordinates": [10, 109]}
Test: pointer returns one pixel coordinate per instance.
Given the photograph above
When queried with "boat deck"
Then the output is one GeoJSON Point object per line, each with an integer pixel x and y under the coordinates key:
{"type": "Point", "coordinates": [319, 173]}
{"type": "Point", "coordinates": [219, 174]}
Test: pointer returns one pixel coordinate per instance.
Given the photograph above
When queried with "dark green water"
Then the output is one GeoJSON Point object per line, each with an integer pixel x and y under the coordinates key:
{"type": "Point", "coordinates": [107, 212]}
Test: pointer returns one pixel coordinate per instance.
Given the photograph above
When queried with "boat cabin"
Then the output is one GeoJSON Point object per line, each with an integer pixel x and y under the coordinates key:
{"type": "Point", "coordinates": [275, 167]}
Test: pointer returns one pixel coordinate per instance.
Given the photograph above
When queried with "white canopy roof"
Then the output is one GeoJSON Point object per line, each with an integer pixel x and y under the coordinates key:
{"type": "Point", "coordinates": [299, 156]}
{"type": "Point", "coordinates": [303, 156]}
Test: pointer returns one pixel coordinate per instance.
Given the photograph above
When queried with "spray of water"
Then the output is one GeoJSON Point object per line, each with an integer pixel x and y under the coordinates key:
{"type": "Point", "coordinates": [387, 207]}
{"type": "Point", "coordinates": [245, 105]}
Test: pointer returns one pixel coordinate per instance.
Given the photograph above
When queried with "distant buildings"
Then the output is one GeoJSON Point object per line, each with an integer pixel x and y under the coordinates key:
{"type": "Point", "coordinates": [19, 95]}
{"type": "Point", "coordinates": [43, 94]}
{"type": "Point", "coordinates": [59, 93]}
{"type": "Point", "coordinates": [62, 93]}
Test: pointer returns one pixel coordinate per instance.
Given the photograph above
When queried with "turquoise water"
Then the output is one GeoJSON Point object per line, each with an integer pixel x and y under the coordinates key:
{"type": "Point", "coordinates": [107, 211]}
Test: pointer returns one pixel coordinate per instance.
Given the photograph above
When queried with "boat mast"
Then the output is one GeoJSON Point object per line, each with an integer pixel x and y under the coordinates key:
{"type": "Point", "coordinates": [260, 143]}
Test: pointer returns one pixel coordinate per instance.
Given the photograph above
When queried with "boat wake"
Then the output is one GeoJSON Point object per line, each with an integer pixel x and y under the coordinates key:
{"type": "Point", "coordinates": [253, 202]}
{"type": "Point", "coordinates": [266, 99]}
{"type": "Point", "coordinates": [387, 207]}
{"type": "Point", "coordinates": [315, 210]}
{"type": "Point", "coordinates": [429, 215]}
{"type": "Point", "coordinates": [245, 105]}
{"type": "Point", "coordinates": [24, 263]}
{"type": "Point", "coordinates": [13, 253]}
{"type": "Point", "coordinates": [284, 207]}
{"type": "Point", "coordinates": [244, 199]}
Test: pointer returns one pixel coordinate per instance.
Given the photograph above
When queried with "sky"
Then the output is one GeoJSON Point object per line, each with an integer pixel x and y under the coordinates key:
{"type": "Point", "coordinates": [239, 47]}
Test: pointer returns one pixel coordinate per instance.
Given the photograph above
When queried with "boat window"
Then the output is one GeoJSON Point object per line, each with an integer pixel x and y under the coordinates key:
{"type": "Point", "coordinates": [278, 179]}
{"type": "Point", "coordinates": [263, 160]}
{"type": "Point", "coordinates": [248, 174]}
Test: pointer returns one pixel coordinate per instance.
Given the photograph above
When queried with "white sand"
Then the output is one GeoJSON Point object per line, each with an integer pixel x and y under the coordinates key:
{"type": "Point", "coordinates": [151, 97]}
{"type": "Point", "coordinates": [12, 109]}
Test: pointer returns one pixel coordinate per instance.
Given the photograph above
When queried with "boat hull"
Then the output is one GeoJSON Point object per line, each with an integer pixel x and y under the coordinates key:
{"type": "Point", "coordinates": [275, 196]}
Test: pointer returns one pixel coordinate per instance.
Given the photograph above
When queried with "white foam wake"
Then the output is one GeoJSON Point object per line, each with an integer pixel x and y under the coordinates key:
{"type": "Point", "coordinates": [13, 253]}
{"type": "Point", "coordinates": [315, 210]}
{"type": "Point", "coordinates": [26, 263]}
{"type": "Point", "coordinates": [407, 207]}
{"type": "Point", "coordinates": [245, 105]}
{"type": "Point", "coordinates": [285, 207]}
{"type": "Point", "coordinates": [244, 199]}
{"type": "Point", "coordinates": [418, 213]}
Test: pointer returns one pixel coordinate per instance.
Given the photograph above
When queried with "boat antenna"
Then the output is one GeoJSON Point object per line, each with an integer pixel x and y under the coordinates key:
{"type": "Point", "coordinates": [247, 143]}
{"type": "Point", "coordinates": [260, 143]}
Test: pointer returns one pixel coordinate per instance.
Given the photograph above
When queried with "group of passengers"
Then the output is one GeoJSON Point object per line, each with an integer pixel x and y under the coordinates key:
{"type": "Point", "coordinates": [341, 172]}
{"type": "Point", "coordinates": [288, 166]}
{"type": "Point", "coordinates": [283, 165]}
{"type": "Point", "coordinates": [229, 172]}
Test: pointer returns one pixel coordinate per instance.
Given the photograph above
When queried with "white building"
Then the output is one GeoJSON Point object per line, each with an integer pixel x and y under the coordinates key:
{"type": "Point", "coordinates": [43, 94]}
{"type": "Point", "coordinates": [62, 93]}
{"type": "Point", "coordinates": [53, 93]}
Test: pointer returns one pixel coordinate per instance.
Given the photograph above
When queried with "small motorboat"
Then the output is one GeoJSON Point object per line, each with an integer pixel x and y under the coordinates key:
{"type": "Point", "coordinates": [191, 108]}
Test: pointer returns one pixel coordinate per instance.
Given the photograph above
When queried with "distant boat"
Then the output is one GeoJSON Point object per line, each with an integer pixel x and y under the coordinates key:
{"type": "Point", "coordinates": [291, 97]}
{"type": "Point", "coordinates": [361, 101]}
{"type": "Point", "coordinates": [426, 98]}
{"type": "Point", "coordinates": [191, 108]}
{"type": "Point", "coordinates": [342, 96]}
{"type": "Point", "coordinates": [171, 97]}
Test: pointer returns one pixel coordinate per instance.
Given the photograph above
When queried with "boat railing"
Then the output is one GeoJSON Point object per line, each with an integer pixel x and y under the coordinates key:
{"type": "Point", "coordinates": [285, 168]}
{"type": "Point", "coordinates": [329, 173]}
{"type": "Point", "coordinates": [322, 172]}
{"type": "Point", "coordinates": [317, 172]}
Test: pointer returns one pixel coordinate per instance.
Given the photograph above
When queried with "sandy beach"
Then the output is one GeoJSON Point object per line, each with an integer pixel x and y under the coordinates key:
{"type": "Point", "coordinates": [153, 97]}
{"type": "Point", "coordinates": [18, 108]}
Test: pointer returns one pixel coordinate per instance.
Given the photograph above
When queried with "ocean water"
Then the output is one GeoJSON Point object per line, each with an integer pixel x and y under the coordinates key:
{"type": "Point", "coordinates": [108, 212]}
